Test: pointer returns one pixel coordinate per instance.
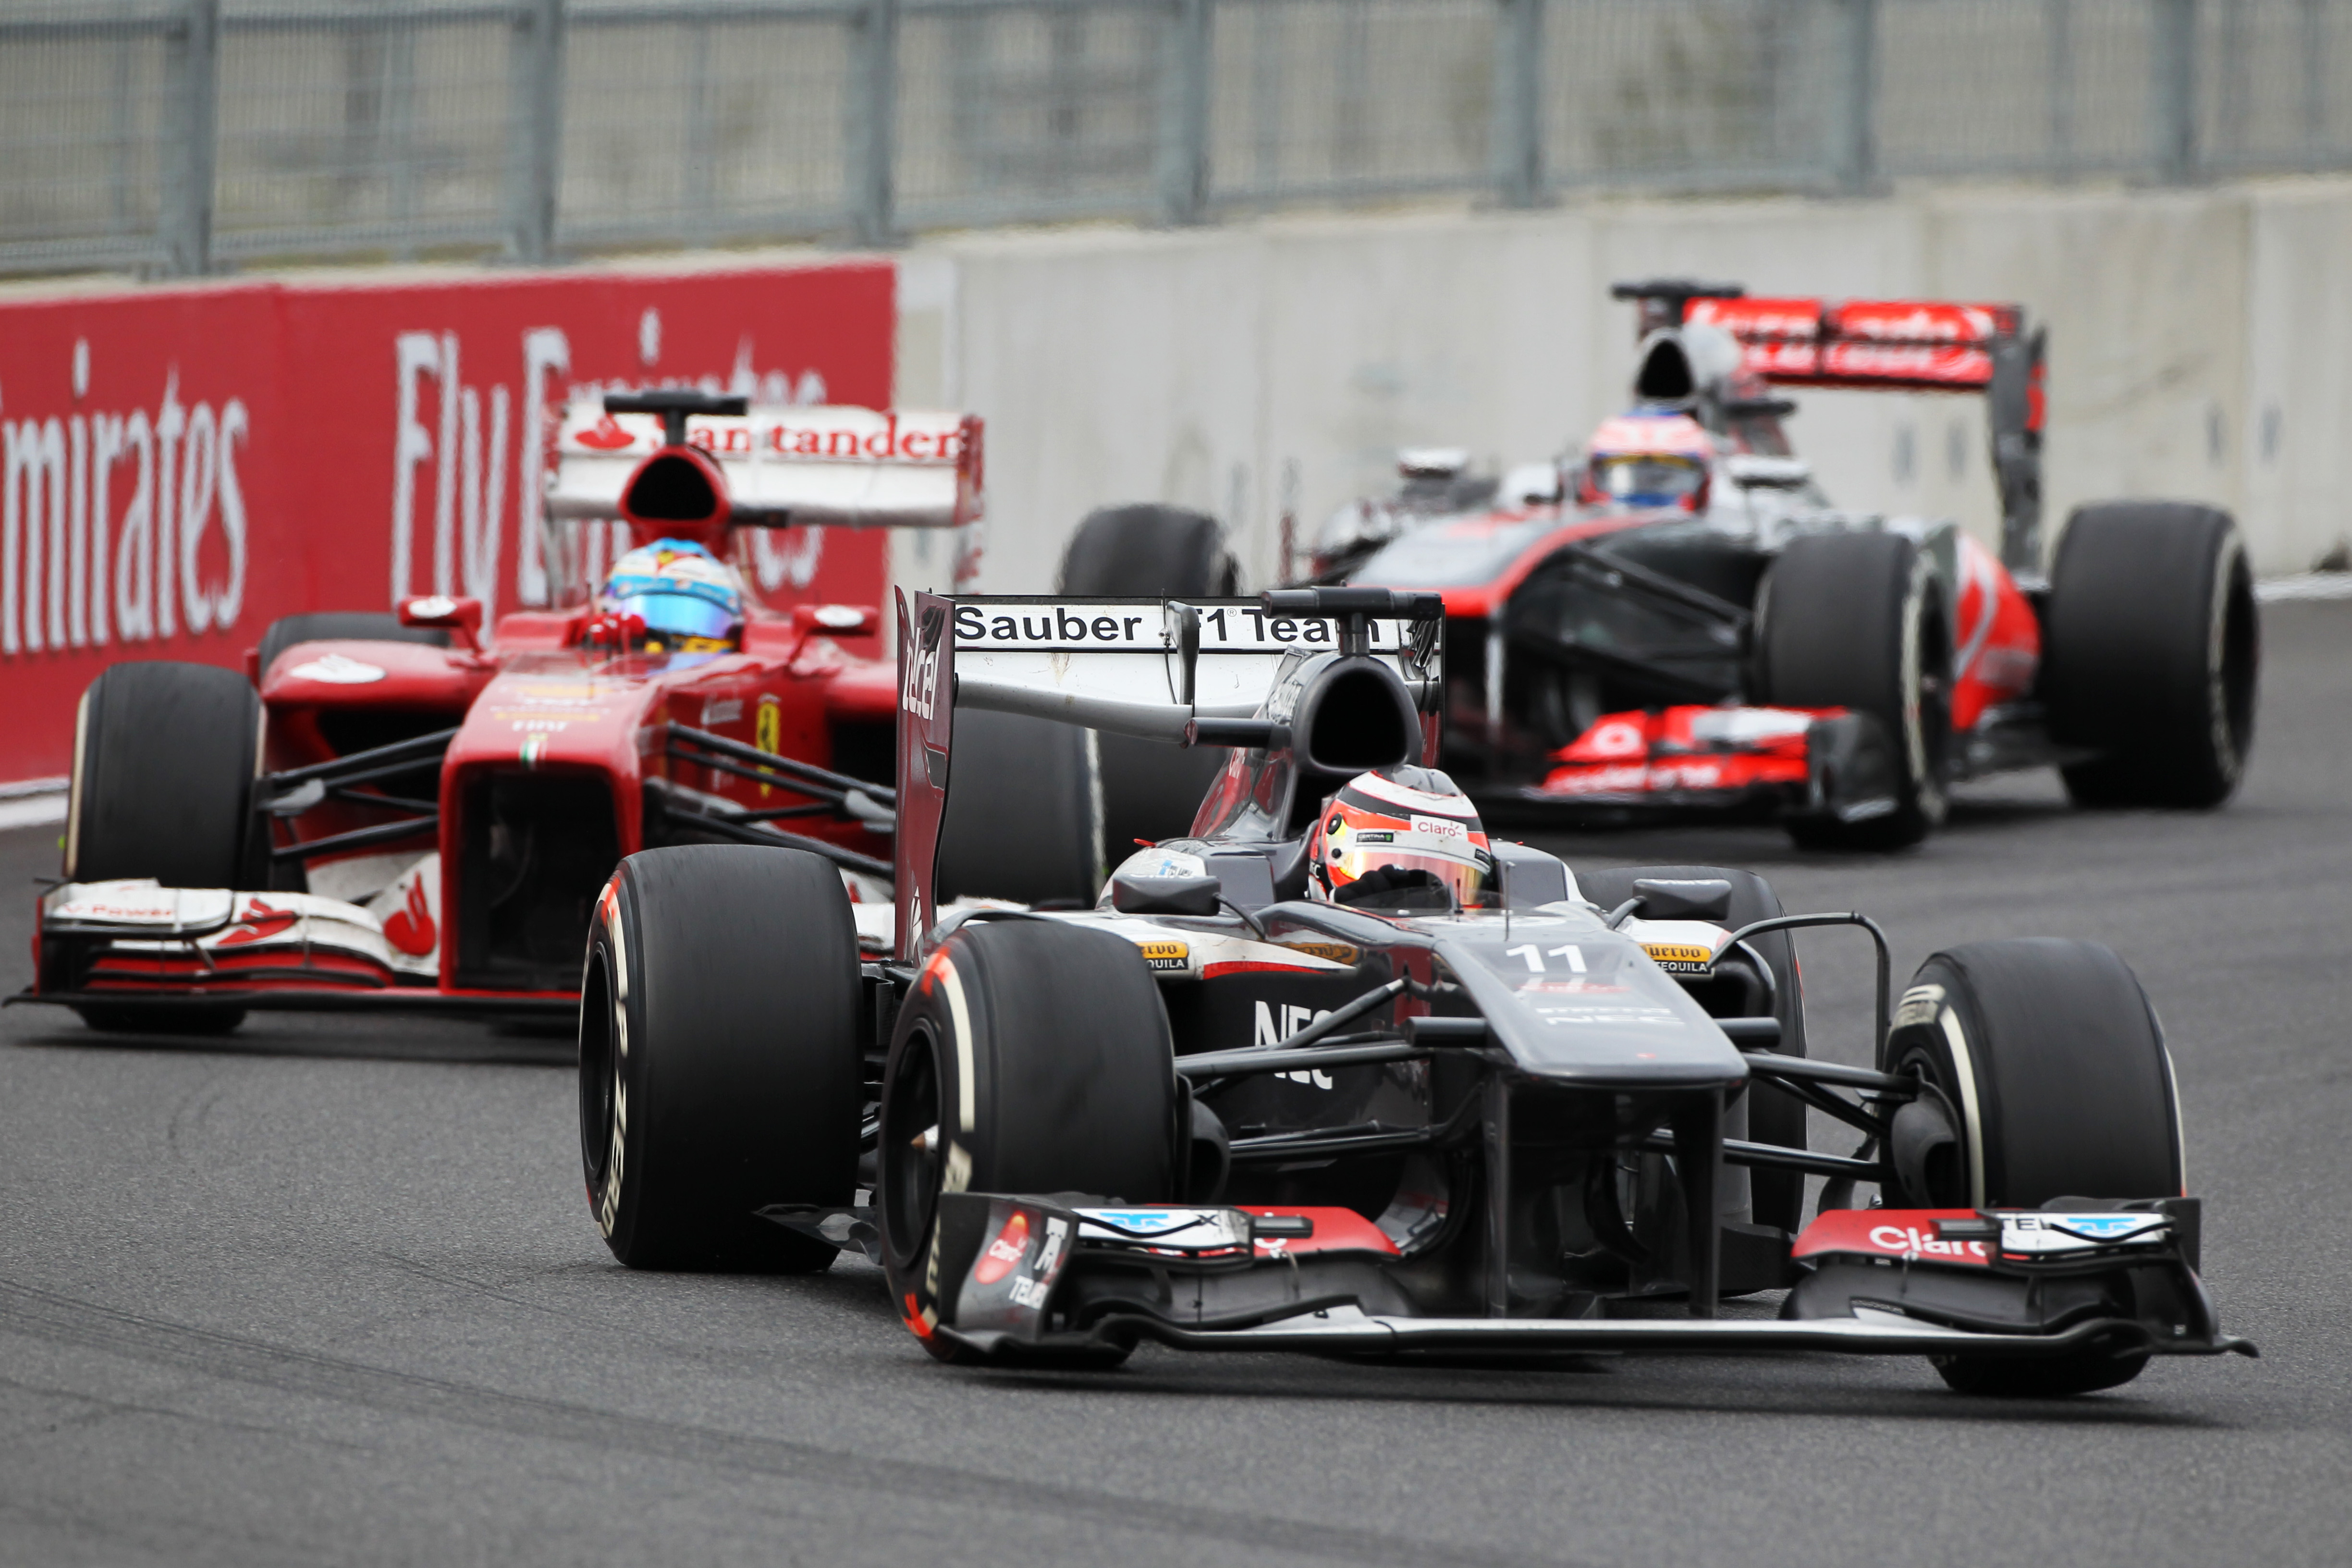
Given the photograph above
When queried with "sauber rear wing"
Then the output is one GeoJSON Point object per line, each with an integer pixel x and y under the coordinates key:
{"type": "Point", "coordinates": [1185, 673]}
{"type": "Point", "coordinates": [765, 465]}
{"type": "Point", "coordinates": [1891, 345]}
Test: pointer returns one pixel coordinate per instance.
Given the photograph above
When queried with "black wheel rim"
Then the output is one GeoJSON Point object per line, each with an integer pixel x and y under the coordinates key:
{"type": "Point", "coordinates": [909, 1174]}
{"type": "Point", "coordinates": [598, 1067]}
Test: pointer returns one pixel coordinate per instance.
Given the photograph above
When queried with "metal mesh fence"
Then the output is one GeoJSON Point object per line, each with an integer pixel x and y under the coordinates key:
{"type": "Point", "coordinates": [168, 134]}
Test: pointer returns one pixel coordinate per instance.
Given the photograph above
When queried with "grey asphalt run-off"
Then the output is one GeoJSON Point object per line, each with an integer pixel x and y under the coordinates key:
{"type": "Point", "coordinates": [328, 1292]}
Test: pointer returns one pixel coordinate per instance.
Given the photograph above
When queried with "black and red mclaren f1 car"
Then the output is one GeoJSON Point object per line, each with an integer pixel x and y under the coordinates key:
{"type": "Point", "coordinates": [1529, 1112]}
{"type": "Point", "coordinates": [1678, 621]}
{"type": "Point", "coordinates": [403, 812]}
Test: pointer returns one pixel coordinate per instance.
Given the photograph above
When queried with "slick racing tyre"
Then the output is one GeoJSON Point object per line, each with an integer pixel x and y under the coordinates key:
{"type": "Point", "coordinates": [1030, 1056]}
{"type": "Point", "coordinates": [164, 757]}
{"type": "Point", "coordinates": [352, 625]}
{"type": "Point", "coordinates": [2150, 652]}
{"type": "Point", "coordinates": [2046, 1078]}
{"type": "Point", "coordinates": [1151, 790]}
{"type": "Point", "coordinates": [1765, 1114]}
{"type": "Point", "coordinates": [1859, 621]}
{"type": "Point", "coordinates": [720, 1069]}
{"type": "Point", "coordinates": [1025, 813]}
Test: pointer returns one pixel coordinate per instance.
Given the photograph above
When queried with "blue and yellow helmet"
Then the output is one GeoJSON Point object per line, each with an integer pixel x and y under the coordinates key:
{"type": "Point", "coordinates": [689, 599]}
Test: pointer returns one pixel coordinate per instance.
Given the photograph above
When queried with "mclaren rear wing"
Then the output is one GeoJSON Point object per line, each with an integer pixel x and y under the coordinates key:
{"type": "Point", "coordinates": [1191, 673]}
{"type": "Point", "coordinates": [701, 458]}
{"type": "Point", "coordinates": [1890, 345]}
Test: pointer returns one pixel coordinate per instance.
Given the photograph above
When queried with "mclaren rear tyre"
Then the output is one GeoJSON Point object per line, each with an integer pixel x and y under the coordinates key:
{"type": "Point", "coordinates": [2151, 653]}
{"type": "Point", "coordinates": [352, 625]}
{"type": "Point", "coordinates": [1151, 790]}
{"type": "Point", "coordinates": [1859, 621]}
{"type": "Point", "coordinates": [1024, 814]}
{"type": "Point", "coordinates": [720, 1069]}
{"type": "Point", "coordinates": [1030, 1056]}
{"type": "Point", "coordinates": [2045, 1078]}
{"type": "Point", "coordinates": [164, 758]}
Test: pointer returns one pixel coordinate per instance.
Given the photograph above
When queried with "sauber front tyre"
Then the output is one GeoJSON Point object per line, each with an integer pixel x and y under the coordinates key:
{"type": "Point", "coordinates": [719, 1071]}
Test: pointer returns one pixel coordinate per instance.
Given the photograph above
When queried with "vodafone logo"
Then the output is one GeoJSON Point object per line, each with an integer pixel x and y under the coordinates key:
{"type": "Point", "coordinates": [1618, 738]}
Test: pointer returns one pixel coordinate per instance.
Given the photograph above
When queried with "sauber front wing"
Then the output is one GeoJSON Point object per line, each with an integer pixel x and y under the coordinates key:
{"type": "Point", "coordinates": [1038, 1273]}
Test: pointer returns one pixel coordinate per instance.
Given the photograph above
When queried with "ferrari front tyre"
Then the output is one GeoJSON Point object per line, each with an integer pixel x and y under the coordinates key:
{"type": "Point", "coordinates": [1859, 621]}
{"type": "Point", "coordinates": [2150, 652]}
{"type": "Point", "coordinates": [719, 1071]}
{"type": "Point", "coordinates": [2044, 1077]}
{"type": "Point", "coordinates": [343, 625]}
{"type": "Point", "coordinates": [1152, 789]}
{"type": "Point", "coordinates": [1030, 1056]}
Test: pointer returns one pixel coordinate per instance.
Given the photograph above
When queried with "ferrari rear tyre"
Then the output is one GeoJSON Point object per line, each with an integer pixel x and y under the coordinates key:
{"type": "Point", "coordinates": [720, 1069]}
{"type": "Point", "coordinates": [1151, 790]}
{"type": "Point", "coordinates": [1859, 621]}
{"type": "Point", "coordinates": [1024, 814]}
{"type": "Point", "coordinates": [352, 625]}
{"type": "Point", "coordinates": [1030, 1056]}
{"type": "Point", "coordinates": [1765, 1114]}
{"type": "Point", "coordinates": [2048, 1079]}
{"type": "Point", "coordinates": [2151, 653]}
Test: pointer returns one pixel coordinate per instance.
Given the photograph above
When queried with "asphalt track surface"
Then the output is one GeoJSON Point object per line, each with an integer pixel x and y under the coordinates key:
{"type": "Point", "coordinates": [328, 1292]}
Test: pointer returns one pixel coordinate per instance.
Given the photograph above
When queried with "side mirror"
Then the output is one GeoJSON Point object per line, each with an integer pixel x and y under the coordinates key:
{"type": "Point", "coordinates": [1676, 899]}
{"type": "Point", "coordinates": [1165, 895]}
{"type": "Point", "coordinates": [463, 617]}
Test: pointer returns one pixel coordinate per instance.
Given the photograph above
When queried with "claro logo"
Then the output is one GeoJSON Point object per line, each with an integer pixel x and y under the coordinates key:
{"type": "Point", "coordinates": [105, 519]}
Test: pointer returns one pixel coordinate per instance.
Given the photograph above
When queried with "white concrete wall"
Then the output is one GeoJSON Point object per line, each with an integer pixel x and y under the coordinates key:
{"type": "Point", "coordinates": [2200, 347]}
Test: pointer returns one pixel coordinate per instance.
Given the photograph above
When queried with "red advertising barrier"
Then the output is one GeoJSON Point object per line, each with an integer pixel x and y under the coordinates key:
{"type": "Point", "coordinates": [183, 465]}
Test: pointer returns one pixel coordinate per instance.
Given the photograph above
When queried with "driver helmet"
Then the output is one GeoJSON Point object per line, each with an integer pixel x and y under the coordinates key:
{"type": "Point", "coordinates": [1648, 460]}
{"type": "Point", "coordinates": [1400, 837]}
{"type": "Point", "coordinates": [690, 601]}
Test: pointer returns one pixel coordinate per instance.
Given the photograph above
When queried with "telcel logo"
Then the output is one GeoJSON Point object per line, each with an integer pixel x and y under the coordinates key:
{"type": "Point", "coordinates": [922, 682]}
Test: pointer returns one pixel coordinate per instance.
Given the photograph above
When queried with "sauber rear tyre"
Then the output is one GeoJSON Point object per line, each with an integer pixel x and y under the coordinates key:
{"type": "Point", "coordinates": [720, 1069]}
{"type": "Point", "coordinates": [1030, 1056]}
{"type": "Point", "coordinates": [1765, 1114]}
{"type": "Point", "coordinates": [164, 758]}
{"type": "Point", "coordinates": [2151, 653]}
{"type": "Point", "coordinates": [1151, 790]}
{"type": "Point", "coordinates": [2047, 1079]}
{"type": "Point", "coordinates": [356, 625]}
{"type": "Point", "coordinates": [1859, 621]}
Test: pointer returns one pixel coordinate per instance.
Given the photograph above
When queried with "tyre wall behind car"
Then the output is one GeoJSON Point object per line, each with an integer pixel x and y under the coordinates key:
{"type": "Point", "coordinates": [1030, 1056]}
{"type": "Point", "coordinates": [1859, 620]}
{"type": "Point", "coordinates": [1764, 1113]}
{"type": "Point", "coordinates": [1151, 790]}
{"type": "Point", "coordinates": [2151, 650]}
{"type": "Point", "coordinates": [164, 758]}
{"type": "Point", "coordinates": [720, 1056]}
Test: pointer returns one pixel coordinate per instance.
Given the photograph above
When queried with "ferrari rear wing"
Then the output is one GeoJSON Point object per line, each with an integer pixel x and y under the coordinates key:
{"type": "Point", "coordinates": [673, 456]}
{"type": "Point", "coordinates": [1889, 345]}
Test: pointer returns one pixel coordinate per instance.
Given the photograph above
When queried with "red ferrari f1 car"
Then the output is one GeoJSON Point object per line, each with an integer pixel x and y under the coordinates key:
{"type": "Point", "coordinates": [404, 812]}
{"type": "Point", "coordinates": [1679, 622]}
{"type": "Point", "coordinates": [1341, 1073]}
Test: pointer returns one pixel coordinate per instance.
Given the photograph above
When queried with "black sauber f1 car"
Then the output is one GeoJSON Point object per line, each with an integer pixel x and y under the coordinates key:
{"type": "Point", "coordinates": [1246, 1103]}
{"type": "Point", "coordinates": [1678, 623]}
